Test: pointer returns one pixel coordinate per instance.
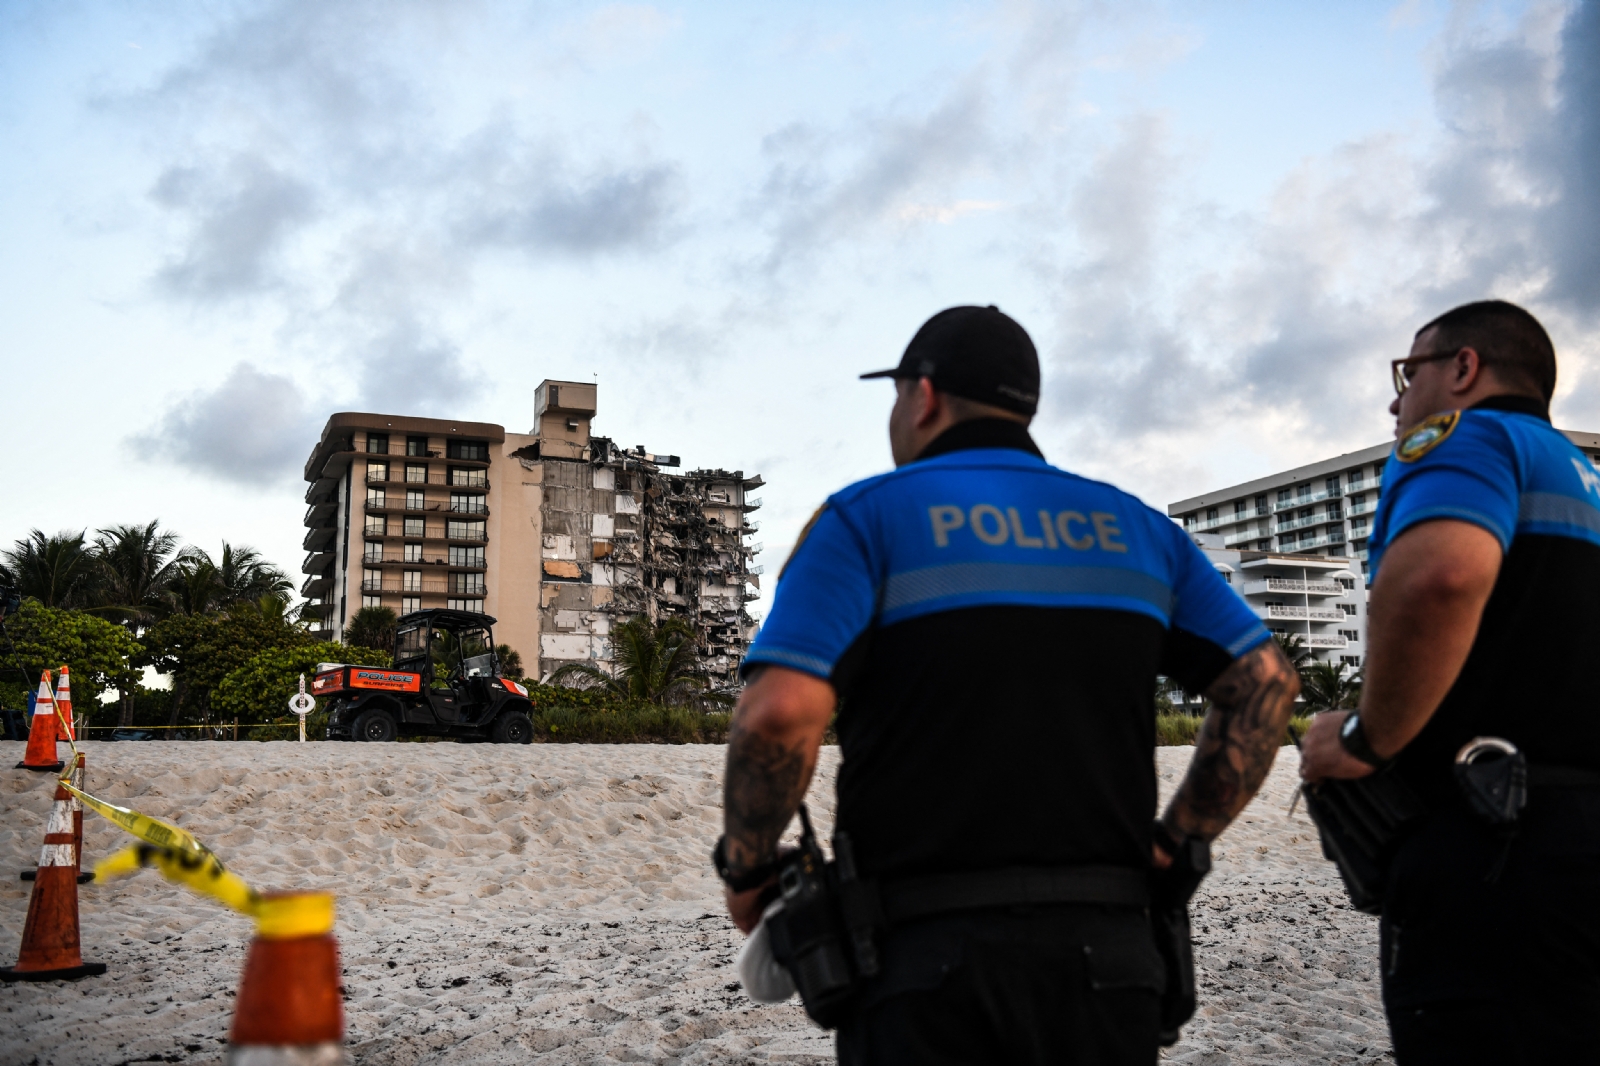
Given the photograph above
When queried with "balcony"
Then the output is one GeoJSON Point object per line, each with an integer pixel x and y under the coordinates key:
{"type": "Point", "coordinates": [316, 562]}
{"type": "Point", "coordinates": [1290, 584]}
{"type": "Point", "coordinates": [319, 513]}
{"type": "Point", "coordinates": [476, 505]}
{"type": "Point", "coordinates": [429, 588]}
{"type": "Point", "coordinates": [479, 536]}
{"type": "Point", "coordinates": [1304, 501]}
{"type": "Point", "coordinates": [1324, 640]}
{"type": "Point", "coordinates": [469, 479]}
{"type": "Point", "coordinates": [1243, 538]}
{"type": "Point", "coordinates": [1362, 508]}
{"type": "Point", "coordinates": [751, 505]}
{"type": "Point", "coordinates": [1284, 525]}
{"type": "Point", "coordinates": [1293, 613]}
{"type": "Point", "coordinates": [1335, 540]}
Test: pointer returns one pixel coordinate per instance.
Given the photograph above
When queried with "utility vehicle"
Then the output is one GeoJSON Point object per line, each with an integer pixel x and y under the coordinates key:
{"type": "Point", "coordinates": [445, 682]}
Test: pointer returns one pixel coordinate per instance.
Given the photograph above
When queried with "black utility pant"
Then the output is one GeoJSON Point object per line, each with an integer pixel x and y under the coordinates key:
{"type": "Point", "coordinates": [1068, 984]}
{"type": "Point", "coordinates": [1500, 973]}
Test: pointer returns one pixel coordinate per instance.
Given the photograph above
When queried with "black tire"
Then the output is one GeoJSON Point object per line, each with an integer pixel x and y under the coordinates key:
{"type": "Point", "coordinates": [374, 725]}
{"type": "Point", "coordinates": [512, 727]}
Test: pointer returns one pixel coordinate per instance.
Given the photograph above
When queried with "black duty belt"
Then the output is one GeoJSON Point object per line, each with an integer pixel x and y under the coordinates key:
{"type": "Point", "coordinates": [921, 897]}
{"type": "Point", "coordinates": [1544, 775]}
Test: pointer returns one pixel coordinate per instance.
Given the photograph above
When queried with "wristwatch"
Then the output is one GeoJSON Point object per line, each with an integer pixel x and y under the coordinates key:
{"type": "Point", "coordinates": [754, 877]}
{"type": "Point", "coordinates": [1354, 740]}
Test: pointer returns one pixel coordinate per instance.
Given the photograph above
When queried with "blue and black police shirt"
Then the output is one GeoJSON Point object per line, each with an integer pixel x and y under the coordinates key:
{"type": "Point", "coordinates": [1502, 466]}
{"type": "Point", "coordinates": [994, 626]}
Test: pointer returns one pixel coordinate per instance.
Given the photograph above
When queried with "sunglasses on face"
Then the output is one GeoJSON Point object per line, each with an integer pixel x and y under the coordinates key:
{"type": "Point", "coordinates": [1402, 370]}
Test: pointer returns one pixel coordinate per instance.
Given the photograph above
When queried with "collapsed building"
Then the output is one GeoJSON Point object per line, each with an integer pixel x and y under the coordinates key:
{"type": "Point", "coordinates": [559, 534]}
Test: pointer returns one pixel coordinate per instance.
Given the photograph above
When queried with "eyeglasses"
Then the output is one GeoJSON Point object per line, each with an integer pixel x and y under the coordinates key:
{"type": "Point", "coordinates": [1402, 369]}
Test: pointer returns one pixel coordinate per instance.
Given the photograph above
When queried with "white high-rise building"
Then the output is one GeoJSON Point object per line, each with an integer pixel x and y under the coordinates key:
{"type": "Point", "coordinates": [1322, 509]}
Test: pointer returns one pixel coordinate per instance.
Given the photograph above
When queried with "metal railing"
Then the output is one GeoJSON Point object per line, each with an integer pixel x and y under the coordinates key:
{"type": "Point", "coordinates": [1241, 538]}
{"type": "Point", "coordinates": [466, 534]}
{"type": "Point", "coordinates": [1301, 501]}
{"type": "Point", "coordinates": [476, 505]}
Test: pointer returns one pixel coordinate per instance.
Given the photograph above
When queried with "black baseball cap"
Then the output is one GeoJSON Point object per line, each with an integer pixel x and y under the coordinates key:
{"type": "Point", "coordinates": [980, 353]}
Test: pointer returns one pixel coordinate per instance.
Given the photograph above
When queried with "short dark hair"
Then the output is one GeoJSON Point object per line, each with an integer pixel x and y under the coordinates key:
{"type": "Point", "coordinates": [1506, 338]}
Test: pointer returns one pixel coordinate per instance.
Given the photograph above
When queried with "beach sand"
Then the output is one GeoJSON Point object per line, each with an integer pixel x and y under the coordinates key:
{"type": "Point", "coordinates": [555, 902]}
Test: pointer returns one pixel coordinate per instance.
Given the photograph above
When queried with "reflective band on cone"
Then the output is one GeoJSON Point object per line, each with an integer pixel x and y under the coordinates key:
{"type": "Point", "coordinates": [41, 753]}
{"type": "Point", "coordinates": [50, 946]}
{"type": "Point", "coordinates": [65, 729]}
{"type": "Point", "coordinates": [289, 1011]}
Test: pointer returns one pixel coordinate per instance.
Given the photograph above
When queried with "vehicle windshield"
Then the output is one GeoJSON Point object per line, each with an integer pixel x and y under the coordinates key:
{"type": "Point", "coordinates": [410, 643]}
{"type": "Point", "coordinates": [467, 653]}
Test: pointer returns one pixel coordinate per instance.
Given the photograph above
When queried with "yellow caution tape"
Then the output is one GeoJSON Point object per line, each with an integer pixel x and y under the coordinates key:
{"type": "Point", "coordinates": [183, 860]}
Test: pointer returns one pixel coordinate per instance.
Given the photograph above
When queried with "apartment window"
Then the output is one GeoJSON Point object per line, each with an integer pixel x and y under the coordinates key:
{"type": "Point", "coordinates": [374, 552]}
{"type": "Point", "coordinates": [1350, 660]}
{"type": "Point", "coordinates": [461, 530]}
{"type": "Point", "coordinates": [1190, 520]}
{"type": "Point", "coordinates": [1284, 495]}
{"type": "Point", "coordinates": [1303, 491]}
{"type": "Point", "coordinates": [410, 604]}
{"type": "Point", "coordinates": [377, 525]}
{"type": "Point", "coordinates": [414, 528]}
{"type": "Point", "coordinates": [1238, 508]}
{"type": "Point", "coordinates": [1332, 485]}
{"type": "Point", "coordinates": [1358, 526]}
{"type": "Point", "coordinates": [475, 606]}
{"type": "Point", "coordinates": [1358, 500]}
{"type": "Point", "coordinates": [1261, 505]}
{"type": "Point", "coordinates": [466, 584]}
{"type": "Point", "coordinates": [417, 446]}
{"type": "Point", "coordinates": [1354, 478]}
{"type": "Point", "coordinates": [377, 497]}
{"type": "Point", "coordinates": [1263, 545]}
{"type": "Point", "coordinates": [1307, 513]}
{"type": "Point", "coordinates": [1335, 534]}
{"type": "Point", "coordinates": [1348, 608]}
{"type": "Point", "coordinates": [378, 443]}
{"type": "Point", "coordinates": [476, 450]}
{"type": "Point", "coordinates": [469, 478]}
{"type": "Point", "coordinates": [414, 499]}
{"type": "Point", "coordinates": [463, 556]}
{"type": "Point", "coordinates": [411, 581]}
{"type": "Point", "coordinates": [1211, 514]}
{"type": "Point", "coordinates": [1351, 635]}
{"type": "Point", "coordinates": [1287, 543]}
{"type": "Point", "coordinates": [413, 553]}
{"type": "Point", "coordinates": [377, 471]}
{"type": "Point", "coordinates": [461, 503]}
{"type": "Point", "coordinates": [417, 473]}
{"type": "Point", "coordinates": [1334, 512]}
{"type": "Point", "coordinates": [372, 581]}
{"type": "Point", "coordinates": [372, 601]}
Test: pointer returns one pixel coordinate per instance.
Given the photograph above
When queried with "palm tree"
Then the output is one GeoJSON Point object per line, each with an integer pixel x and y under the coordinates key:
{"type": "Point", "coordinates": [1293, 646]}
{"type": "Point", "coordinates": [510, 660]}
{"type": "Point", "coordinates": [245, 575]}
{"type": "Point", "coordinates": [654, 662]}
{"type": "Point", "coordinates": [1327, 687]}
{"type": "Point", "coordinates": [372, 627]}
{"type": "Point", "coordinates": [57, 571]}
{"type": "Point", "coordinates": [135, 564]}
{"type": "Point", "coordinates": [195, 587]}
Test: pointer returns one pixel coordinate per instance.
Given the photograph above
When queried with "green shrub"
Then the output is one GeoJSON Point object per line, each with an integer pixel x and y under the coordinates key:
{"type": "Point", "coordinates": [636, 723]}
{"type": "Point", "coordinates": [257, 693]}
{"type": "Point", "coordinates": [1179, 729]}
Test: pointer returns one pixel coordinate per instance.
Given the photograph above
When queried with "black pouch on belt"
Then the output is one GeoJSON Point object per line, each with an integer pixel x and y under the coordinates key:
{"type": "Point", "coordinates": [1170, 892]}
{"type": "Point", "coordinates": [1361, 823]}
{"type": "Point", "coordinates": [1493, 776]}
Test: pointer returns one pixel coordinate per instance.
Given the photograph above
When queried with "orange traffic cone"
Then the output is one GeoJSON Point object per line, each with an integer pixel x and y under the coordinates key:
{"type": "Point", "coordinates": [289, 1010]}
{"type": "Point", "coordinates": [41, 753]}
{"type": "Point", "coordinates": [50, 949]}
{"type": "Point", "coordinates": [67, 730]}
{"type": "Point", "coordinates": [77, 831]}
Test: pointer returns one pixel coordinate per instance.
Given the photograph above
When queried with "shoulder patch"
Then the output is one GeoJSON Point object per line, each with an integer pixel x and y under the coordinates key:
{"type": "Point", "coordinates": [1425, 436]}
{"type": "Point", "coordinates": [805, 531]}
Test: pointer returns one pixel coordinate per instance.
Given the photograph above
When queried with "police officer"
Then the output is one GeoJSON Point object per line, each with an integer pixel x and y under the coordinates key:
{"type": "Point", "coordinates": [990, 628]}
{"type": "Point", "coordinates": [1484, 621]}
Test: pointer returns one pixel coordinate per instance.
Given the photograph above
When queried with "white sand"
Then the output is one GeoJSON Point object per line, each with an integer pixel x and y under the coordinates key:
{"type": "Point", "coordinates": [501, 904]}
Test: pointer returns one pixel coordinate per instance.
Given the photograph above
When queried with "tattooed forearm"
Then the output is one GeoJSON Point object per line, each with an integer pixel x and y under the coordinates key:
{"type": "Point", "coordinates": [766, 780]}
{"type": "Point", "coordinates": [1238, 740]}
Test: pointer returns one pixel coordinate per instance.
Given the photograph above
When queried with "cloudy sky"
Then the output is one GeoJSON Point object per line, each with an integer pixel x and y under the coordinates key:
{"type": "Point", "coordinates": [221, 222]}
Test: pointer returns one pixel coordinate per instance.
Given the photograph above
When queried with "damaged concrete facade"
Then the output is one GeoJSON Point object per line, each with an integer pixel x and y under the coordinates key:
{"type": "Point", "coordinates": [624, 534]}
{"type": "Point", "coordinates": [576, 533]}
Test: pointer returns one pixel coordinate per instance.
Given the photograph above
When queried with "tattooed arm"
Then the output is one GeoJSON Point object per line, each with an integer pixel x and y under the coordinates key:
{"type": "Point", "coordinates": [1250, 705]}
{"type": "Point", "coordinates": [772, 751]}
